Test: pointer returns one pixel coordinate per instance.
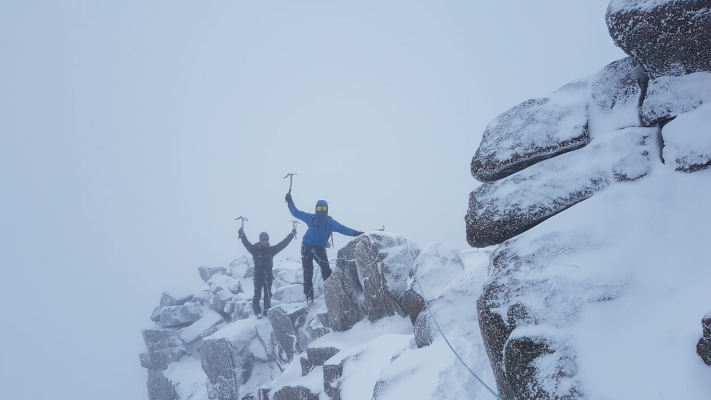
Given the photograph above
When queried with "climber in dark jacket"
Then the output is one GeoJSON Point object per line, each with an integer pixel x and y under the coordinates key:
{"type": "Point", "coordinates": [263, 254]}
{"type": "Point", "coordinates": [315, 241]}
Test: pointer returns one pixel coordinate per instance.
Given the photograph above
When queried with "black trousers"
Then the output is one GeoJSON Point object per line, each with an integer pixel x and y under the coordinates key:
{"type": "Point", "coordinates": [262, 280]}
{"type": "Point", "coordinates": [308, 254]}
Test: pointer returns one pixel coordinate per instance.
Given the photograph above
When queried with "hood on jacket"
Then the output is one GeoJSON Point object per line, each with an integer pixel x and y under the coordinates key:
{"type": "Point", "coordinates": [321, 214]}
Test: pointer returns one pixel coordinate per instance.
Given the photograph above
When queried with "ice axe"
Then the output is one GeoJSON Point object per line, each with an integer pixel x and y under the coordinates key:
{"type": "Point", "coordinates": [291, 179]}
{"type": "Point", "coordinates": [295, 222]}
{"type": "Point", "coordinates": [243, 219]}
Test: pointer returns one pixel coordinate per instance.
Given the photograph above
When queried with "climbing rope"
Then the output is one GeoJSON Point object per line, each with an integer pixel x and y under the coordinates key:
{"type": "Point", "coordinates": [450, 345]}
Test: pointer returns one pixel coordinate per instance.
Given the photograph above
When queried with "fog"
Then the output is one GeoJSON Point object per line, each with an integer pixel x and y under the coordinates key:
{"type": "Point", "coordinates": [132, 134]}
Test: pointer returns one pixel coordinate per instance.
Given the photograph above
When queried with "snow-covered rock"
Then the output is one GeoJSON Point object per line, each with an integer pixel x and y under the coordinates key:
{"type": "Point", "coordinates": [616, 92]}
{"type": "Point", "coordinates": [316, 356]}
{"type": "Point", "coordinates": [436, 266]}
{"type": "Point", "coordinates": [669, 96]}
{"type": "Point", "coordinates": [284, 336]}
{"type": "Point", "coordinates": [160, 359]}
{"type": "Point", "coordinates": [207, 272]}
{"type": "Point", "coordinates": [290, 294]}
{"type": "Point", "coordinates": [533, 131]}
{"type": "Point", "coordinates": [219, 300]}
{"type": "Point", "coordinates": [687, 140]}
{"type": "Point", "coordinates": [343, 292]}
{"type": "Point", "coordinates": [175, 297]}
{"type": "Point", "coordinates": [239, 267]}
{"type": "Point", "coordinates": [384, 263]}
{"type": "Point", "coordinates": [501, 210]}
{"type": "Point", "coordinates": [180, 315]}
{"type": "Point", "coordinates": [161, 339]}
{"type": "Point", "coordinates": [668, 37]}
{"type": "Point", "coordinates": [229, 355]}
{"type": "Point", "coordinates": [295, 392]}
{"type": "Point", "coordinates": [353, 374]}
{"type": "Point", "coordinates": [194, 332]}
{"type": "Point", "coordinates": [160, 387]}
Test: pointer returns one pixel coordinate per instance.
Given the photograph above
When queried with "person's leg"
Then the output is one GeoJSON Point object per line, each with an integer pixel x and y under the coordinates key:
{"type": "Point", "coordinates": [258, 284]}
{"type": "Point", "coordinates": [268, 292]}
{"type": "Point", "coordinates": [323, 262]}
{"type": "Point", "coordinates": [307, 263]}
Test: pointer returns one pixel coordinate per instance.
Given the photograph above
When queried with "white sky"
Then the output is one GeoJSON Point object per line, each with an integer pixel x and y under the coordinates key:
{"type": "Point", "coordinates": [133, 132]}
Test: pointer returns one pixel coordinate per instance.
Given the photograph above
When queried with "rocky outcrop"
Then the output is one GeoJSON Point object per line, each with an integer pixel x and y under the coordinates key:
{"type": "Point", "coordinates": [687, 140]}
{"type": "Point", "coordinates": [160, 387]}
{"type": "Point", "coordinates": [316, 356]}
{"type": "Point", "coordinates": [384, 264]}
{"type": "Point", "coordinates": [703, 348]}
{"type": "Point", "coordinates": [668, 37]}
{"type": "Point", "coordinates": [501, 210]}
{"type": "Point", "coordinates": [670, 96]}
{"type": "Point", "coordinates": [284, 336]}
{"type": "Point", "coordinates": [180, 315]}
{"type": "Point", "coordinates": [295, 393]}
{"type": "Point", "coordinates": [332, 375]}
{"type": "Point", "coordinates": [228, 356]}
{"type": "Point", "coordinates": [436, 267]}
{"type": "Point", "coordinates": [207, 272]}
{"type": "Point", "coordinates": [547, 302]}
{"type": "Point", "coordinates": [342, 291]}
{"type": "Point", "coordinates": [542, 184]}
{"type": "Point", "coordinates": [531, 132]}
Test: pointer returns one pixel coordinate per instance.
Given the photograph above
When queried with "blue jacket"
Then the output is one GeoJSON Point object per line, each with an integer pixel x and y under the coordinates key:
{"type": "Point", "coordinates": [317, 233]}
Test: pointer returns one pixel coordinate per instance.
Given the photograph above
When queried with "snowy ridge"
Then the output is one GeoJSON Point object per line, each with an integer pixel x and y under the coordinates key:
{"type": "Point", "coordinates": [296, 354]}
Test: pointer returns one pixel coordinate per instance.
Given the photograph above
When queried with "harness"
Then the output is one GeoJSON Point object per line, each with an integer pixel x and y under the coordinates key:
{"type": "Point", "coordinates": [325, 227]}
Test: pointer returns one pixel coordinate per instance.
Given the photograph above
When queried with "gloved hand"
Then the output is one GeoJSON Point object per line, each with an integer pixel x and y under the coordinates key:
{"type": "Point", "coordinates": [288, 198]}
{"type": "Point", "coordinates": [240, 232]}
{"type": "Point", "coordinates": [357, 233]}
{"type": "Point", "coordinates": [293, 232]}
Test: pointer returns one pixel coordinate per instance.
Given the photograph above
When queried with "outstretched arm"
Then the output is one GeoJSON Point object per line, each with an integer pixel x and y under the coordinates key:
{"type": "Point", "coordinates": [281, 245]}
{"type": "Point", "coordinates": [342, 229]}
{"type": "Point", "coordinates": [247, 245]}
{"type": "Point", "coordinates": [298, 214]}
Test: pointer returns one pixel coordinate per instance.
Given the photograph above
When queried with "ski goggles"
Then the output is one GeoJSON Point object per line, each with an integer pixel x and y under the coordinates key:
{"type": "Point", "coordinates": [321, 208]}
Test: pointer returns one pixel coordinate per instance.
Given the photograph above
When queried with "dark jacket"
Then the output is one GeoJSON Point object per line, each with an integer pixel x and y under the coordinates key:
{"type": "Point", "coordinates": [263, 256]}
{"type": "Point", "coordinates": [320, 226]}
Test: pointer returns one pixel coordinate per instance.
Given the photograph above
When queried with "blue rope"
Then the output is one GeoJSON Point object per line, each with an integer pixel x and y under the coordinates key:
{"type": "Point", "coordinates": [450, 345]}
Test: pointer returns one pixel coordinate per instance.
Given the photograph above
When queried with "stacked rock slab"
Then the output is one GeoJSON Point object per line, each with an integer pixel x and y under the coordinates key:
{"type": "Point", "coordinates": [668, 37]}
{"type": "Point", "coordinates": [163, 347]}
{"type": "Point", "coordinates": [527, 150]}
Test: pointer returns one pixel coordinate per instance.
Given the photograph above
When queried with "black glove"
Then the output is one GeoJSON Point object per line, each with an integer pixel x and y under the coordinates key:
{"type": "Point", "coordinates": [288, 198]}
{"type": "Point", "coordinates": [240, 232]}
{"type": "Point", "coordinates": [357, 233]}
{"type": "Point", "coordinates": [293, 232]}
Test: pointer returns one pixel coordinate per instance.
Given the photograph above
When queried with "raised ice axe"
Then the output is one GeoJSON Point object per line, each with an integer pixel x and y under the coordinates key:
{"type": "Point", "coordinates": [295, 222]}
{"type": "Point", "coordinates": [243, 219]}
{"type": "Point", "coordinates": [291, 179]}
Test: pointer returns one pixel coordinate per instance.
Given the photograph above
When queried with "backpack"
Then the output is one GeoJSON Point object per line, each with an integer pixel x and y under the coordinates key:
{"type": "Point", "coordinates": [325, 226]}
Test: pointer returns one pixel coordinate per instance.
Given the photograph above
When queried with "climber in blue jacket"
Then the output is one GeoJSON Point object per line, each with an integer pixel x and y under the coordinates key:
{"type": "Point", "coordinates": [315, 241]}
